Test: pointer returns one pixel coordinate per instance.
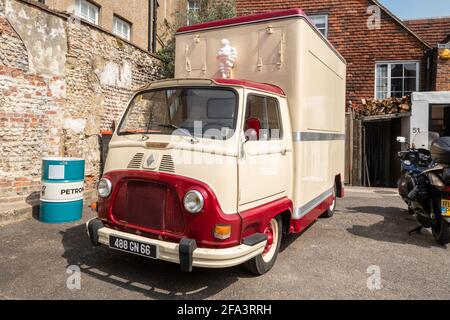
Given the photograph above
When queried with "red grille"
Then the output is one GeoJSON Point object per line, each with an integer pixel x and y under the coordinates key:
{"type": "Point", "coordinates": [149, 204]}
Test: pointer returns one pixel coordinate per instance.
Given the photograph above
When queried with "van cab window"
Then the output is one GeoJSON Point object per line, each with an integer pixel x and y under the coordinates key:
{"type": "Point", "coordinates": [263, 116]}
{"type": "Point", "coordinates": [200, 112]}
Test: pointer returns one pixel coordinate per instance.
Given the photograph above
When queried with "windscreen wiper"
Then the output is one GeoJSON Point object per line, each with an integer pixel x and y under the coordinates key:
{"type": "Point", "coordinates": [172, 126]}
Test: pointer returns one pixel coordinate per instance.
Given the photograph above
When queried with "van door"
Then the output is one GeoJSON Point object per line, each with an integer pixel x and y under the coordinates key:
{"type": "Point", "coordinates": [265, 162]}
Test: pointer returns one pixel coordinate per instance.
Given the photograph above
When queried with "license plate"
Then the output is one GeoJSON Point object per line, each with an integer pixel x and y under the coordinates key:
{"type": "Point", "coordinates": [445, 208]}
{"type": "Point", "coordinates": [135, 247]}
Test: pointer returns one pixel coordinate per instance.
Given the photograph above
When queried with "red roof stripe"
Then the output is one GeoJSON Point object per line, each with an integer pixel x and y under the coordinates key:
{"type": "Point", "coordinates": [243, 19]}
{"type": "Point", "coordinates": [250, 84]}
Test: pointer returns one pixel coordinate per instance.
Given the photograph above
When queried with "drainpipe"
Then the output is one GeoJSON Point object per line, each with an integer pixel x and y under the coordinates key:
{"type": "Point", "coordinates": [152, 24]}
{"type": "Point", "coordinates": [155, 23]}
{"type": "Point", "coordinates": [430, 70]}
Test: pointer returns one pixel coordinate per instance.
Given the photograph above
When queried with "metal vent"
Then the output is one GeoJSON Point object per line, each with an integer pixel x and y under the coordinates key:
{"type": "Point", "coordinates": [136, 162]}
{"type": "Point", "coordinates": [167, 164]}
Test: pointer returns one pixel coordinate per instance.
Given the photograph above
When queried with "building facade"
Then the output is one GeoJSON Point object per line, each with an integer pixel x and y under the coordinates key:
{"type": "Point", "coordinates": [384, 57]}
{"type": "Point", "coordinates": [59, 89]}
{"type": "Point", "coordinates": [132, 20]}
{"type": "Point", "coordinates": [145, 23]}
{"type": "Point", "coordinates": [436, 32]}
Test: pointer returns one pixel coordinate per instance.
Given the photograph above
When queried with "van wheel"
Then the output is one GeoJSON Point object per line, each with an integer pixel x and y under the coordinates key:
{"type": "Point", "coordinates": [330, 211]}
{"type": "Point", "coordinates": [262, 263]}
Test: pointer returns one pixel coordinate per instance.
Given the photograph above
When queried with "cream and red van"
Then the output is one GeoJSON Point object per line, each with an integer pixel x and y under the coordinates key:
{"type": "Point", "coordinates": [247, 143]}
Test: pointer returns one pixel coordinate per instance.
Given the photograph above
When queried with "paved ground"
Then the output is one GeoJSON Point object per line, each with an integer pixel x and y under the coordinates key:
{"type": "Point", "coordinates": [329, 261]}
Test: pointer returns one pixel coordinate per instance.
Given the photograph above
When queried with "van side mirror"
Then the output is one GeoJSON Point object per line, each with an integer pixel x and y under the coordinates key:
{"type": "Point", "coordinates": [113, 126]}
{"type": "Point", "coordinates": [401, 139]}
{"type": "Point", "coordinates": [252, 129]}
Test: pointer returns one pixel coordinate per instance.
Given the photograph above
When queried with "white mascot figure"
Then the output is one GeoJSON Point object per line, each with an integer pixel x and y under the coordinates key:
{"type": "Point", "coordinates": [227, 56]}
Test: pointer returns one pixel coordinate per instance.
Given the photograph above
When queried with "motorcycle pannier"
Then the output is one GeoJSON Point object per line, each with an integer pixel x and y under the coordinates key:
{"type": "Point", "coordinates": [440, 150]}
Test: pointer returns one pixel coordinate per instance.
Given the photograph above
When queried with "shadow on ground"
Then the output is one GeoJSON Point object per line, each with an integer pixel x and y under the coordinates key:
{"type": "Point", "coordinates": [152, 278]}
{"type": "Point", "coordinates": [34, 202]}
{"type": "Point", "coordinates": [393, 228]}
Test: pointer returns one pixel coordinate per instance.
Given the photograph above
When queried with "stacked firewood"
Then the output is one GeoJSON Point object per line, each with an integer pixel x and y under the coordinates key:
{"type": "Point", "coordinates": [393, 105]}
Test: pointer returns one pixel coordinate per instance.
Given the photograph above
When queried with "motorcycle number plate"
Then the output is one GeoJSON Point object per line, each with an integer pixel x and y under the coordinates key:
{"type": "Point", "coordinates": [445, 208]}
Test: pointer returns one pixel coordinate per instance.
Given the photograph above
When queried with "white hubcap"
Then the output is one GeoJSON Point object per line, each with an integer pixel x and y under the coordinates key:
{"type": "Point", "coordinates": [333, 204]}
{"type": "Point", "coordinates": [272, 240]}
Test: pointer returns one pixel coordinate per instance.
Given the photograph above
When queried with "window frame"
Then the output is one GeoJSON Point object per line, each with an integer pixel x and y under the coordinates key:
{"type": "Point", "coordinates": [233, 90]}
{"type": "Point", "coordinates": [90, 4]}
{"type": "Point", "coordinates": [126, 22]}
{"type": "Point", "coordinates": [325, 15]}
{"type": "Point", "coordinates": [389, 63]}
{"type": "Point", "coordinates": [249, 95]}
{"type": "Point", "coordinates": [188, 9]}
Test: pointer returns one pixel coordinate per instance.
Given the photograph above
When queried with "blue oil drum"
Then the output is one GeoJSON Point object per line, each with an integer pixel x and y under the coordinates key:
{"type": "Point", "coordinates": [62, 190]}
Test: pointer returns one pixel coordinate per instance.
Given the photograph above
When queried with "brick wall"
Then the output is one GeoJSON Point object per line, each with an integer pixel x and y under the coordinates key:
{"type": "Point", "coordinates": [435, 31]}
{"type": "Point", "coordinates": [101, 73]}
{"type": "Point", "coordinates": [55, 99]}
{"type": "Point", "coordinates": [442, 73]}
{"type": "Point", "coordinates": [349, 33]}
{"type": "Point", "coordinates": [29, 117]}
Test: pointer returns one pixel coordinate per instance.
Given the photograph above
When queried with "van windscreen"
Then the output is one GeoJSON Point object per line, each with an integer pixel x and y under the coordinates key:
{"type": "Point", "coordinates": [202, 112]}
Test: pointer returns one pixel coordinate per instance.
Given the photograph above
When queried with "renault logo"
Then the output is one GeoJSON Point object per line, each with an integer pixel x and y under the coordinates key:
{"type": "Point", "coordinates": [151, 160]}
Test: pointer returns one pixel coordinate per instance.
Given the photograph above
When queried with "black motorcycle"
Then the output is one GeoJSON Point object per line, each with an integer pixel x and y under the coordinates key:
{"type": "Point", "coordinates": [425, 184]}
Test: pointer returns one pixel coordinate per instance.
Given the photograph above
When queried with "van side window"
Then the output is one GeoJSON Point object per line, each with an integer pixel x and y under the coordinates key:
{"type": "Point", "coordinates": [263, 116]}
{"type": "Point", "coordinates": [274, 119]}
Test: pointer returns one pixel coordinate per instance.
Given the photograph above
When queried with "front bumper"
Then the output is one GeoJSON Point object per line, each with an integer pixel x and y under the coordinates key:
{"type": "Point", "coordinates": [174, 252]}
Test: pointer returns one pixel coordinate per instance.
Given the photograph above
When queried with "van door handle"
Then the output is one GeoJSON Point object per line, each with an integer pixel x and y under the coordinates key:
{"type": "Point", "coordinates": [284, 151]}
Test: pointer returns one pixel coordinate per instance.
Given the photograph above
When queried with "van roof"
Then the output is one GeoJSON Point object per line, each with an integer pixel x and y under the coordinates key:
{"type": "Point", "coordinates": [267, 87]}
{"type": "Point", "coordinates": [274, 15]}
{"type": "Point", "coordinates": [250, 84]}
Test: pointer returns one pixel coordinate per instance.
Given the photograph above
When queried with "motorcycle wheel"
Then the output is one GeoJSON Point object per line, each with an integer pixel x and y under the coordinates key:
{"type": "Point", "coordinates": [441, 231]}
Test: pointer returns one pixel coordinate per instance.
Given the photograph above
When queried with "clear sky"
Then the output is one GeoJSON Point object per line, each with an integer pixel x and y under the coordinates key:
{"type": "Point", "coordinates": [410, 9]}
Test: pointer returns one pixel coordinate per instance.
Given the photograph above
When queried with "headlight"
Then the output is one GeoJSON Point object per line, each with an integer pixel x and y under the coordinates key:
{"type": "Point", "coordinates": [436, 181]}
{"type": "Point", "coordinates": [193, 201]}
{"type": "Point", "coordinates": [104, 188]}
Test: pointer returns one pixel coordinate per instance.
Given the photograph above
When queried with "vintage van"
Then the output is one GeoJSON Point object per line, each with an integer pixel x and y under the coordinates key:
{"type": "Point", "coordinates": [246, 143]}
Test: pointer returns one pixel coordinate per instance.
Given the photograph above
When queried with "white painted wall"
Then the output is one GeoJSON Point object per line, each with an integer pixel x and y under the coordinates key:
{"type": "Point", "coordinates": [420, 117]}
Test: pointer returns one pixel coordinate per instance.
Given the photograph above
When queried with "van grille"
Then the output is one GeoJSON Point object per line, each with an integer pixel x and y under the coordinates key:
{"type": "Point", "coordinates": [136, 162]}
{"type": "Point", "coordinates": [167, 164]}
{"type": "Point", "coordinates": [149, 204]}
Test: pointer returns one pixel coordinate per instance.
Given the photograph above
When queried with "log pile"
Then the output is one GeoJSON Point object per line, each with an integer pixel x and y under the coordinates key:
{"type": "Point", "coordinates": [393, 105]}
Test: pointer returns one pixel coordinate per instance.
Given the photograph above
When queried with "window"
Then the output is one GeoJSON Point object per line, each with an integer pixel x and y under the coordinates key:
{"type": "Point", "coordinates": [203, 112]}
{"type": "Point", "coordinates": [122, 28]}
{"type": "Point", "coordinates": [396, 79]}
{"type": "Point", "coordinates": [321, 23]}
{"type": "Point", "coordinates": [267, 111]}
{"type": "Point", "coordinates": [87, 11]}
{"type": "Point", "coordinates": [193, 9]}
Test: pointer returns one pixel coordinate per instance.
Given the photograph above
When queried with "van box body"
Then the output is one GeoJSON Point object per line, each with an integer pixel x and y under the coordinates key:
{"type": "Point", "coordinates": [291, 53]}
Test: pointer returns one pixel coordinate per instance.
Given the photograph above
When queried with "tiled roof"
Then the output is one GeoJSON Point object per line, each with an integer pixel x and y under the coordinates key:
{"type": "Point", "coordinates": [433, 30]}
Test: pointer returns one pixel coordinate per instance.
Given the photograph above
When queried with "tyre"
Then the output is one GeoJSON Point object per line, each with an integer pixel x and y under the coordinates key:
{"type": "Point", "coordinates": [262, 263]}
{"type": "Point", "coordinates": [330, 211]}
{"type": "Point", "coordinates": [441, 231]}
